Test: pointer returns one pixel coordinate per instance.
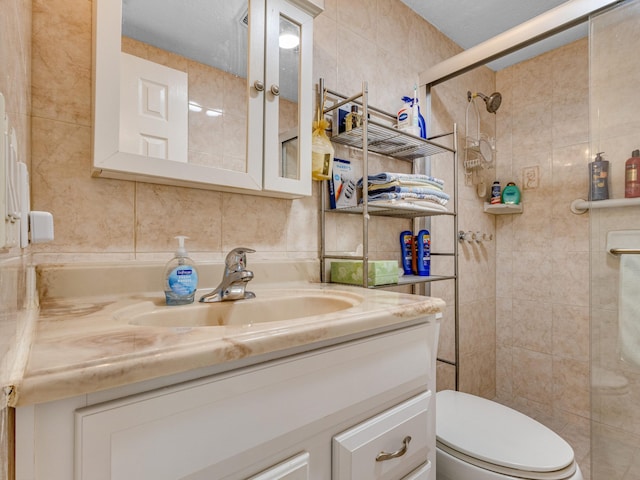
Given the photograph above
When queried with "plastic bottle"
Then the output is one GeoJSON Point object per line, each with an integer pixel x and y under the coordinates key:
{"type": "Point", "coordinates": [496, 195]}
{"type": "Point", "coordinates": [352, 120]}
{"type": "Point", "coordinates": [423, 253]}
{"type": "Point", "coordinates": [511, 194]}
{"type": "Point", "coordinates": [406, 245]}
{"type": "Point", "coordinates": [180, 277]}
{"type": "Point", "coordinates": [406, 116]}
{"type": "Point", "coordinates": [631, 179]}
{"type": "Point", "coordinates": [599, 185]}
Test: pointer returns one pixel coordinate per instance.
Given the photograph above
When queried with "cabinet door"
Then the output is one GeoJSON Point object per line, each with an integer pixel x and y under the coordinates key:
{"type": "Point", "coordinates": [288, 99]}
{"type": "Point", "coordinates": [296, 468]}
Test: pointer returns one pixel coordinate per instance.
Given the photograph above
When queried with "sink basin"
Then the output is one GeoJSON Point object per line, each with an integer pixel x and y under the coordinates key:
{"type": "Point", "coordinates": [271, 306]}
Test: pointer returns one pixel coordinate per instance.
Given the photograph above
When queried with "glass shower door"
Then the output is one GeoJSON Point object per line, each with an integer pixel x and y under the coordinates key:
{"type": "Point", "coordinates": [615, 291]}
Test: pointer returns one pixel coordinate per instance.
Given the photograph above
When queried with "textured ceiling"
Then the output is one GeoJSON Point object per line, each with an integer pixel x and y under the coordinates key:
{"type": "Point", "coordinates": [470, 22]}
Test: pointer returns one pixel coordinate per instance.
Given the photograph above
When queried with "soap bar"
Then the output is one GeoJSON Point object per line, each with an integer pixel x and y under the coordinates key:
{"type": "Point", "coordinates": [381, 272]}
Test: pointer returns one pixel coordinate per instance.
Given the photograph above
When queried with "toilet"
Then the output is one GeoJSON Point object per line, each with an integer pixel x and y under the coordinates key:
{"type": "Point", "coordinates": [478, 439]}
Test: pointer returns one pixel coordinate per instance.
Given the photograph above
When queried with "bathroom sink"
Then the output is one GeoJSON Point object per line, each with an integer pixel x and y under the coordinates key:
{"type": "Point", "coordinates": [267, 307]}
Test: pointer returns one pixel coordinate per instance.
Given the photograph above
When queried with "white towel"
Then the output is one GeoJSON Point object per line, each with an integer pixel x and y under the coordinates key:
{"type": "Point", "coordinates": [629, 309]}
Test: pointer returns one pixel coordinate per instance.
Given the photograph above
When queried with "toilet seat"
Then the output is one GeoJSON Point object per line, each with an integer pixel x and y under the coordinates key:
{"type": "Point", "coordinates": [499, 439]}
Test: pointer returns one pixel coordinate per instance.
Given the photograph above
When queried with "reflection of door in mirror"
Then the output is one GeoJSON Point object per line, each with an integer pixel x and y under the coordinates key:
{"type": "Point", "coordinates": [209, 41]}
{"type": "Point", "coordinates": [153, 109]}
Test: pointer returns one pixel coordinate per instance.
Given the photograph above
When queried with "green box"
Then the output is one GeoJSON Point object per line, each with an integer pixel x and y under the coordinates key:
{"type": "Point", "coordinates": [381, 272]}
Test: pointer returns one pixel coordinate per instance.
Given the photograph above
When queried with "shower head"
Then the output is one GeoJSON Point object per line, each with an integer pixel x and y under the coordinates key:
{"type": "Point", "coordinates": [493, 101]}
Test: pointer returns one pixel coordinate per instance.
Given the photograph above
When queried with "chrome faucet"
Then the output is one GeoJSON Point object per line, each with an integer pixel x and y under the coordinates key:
{"type": "Point", "coordinates": [235, 279]}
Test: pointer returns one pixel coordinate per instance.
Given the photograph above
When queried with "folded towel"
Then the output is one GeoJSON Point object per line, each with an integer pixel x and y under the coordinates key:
{"type": "Point", "coordinates": [629, 309]}
{"type": "Point", "coordinates": [407, 195]}
{"type": "Point", "coordinates": [417, 190]}
{"type": "Point", "coordinates": [403, 178]}
{"type": "Point", "coordinates": [404, 183]}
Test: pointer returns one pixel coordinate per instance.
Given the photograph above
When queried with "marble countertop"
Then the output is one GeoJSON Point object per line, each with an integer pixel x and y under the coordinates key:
{"type": "Point", "coordinates": [84, 343]}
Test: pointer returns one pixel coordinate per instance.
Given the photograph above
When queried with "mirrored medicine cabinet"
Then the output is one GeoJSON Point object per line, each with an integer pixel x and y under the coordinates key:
{"type": "Point", "coordinates": [214, 95]}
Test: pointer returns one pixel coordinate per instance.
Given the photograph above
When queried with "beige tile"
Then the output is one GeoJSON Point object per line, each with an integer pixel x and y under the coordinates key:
{"type": "Point", "coordinates": [570, 278]}
{"type": "Point", "coordinates": [532, 326]}
{"type": "Point", "coordinates": [532, 276]}
{"type": "Point", "coordinates": [533, 376]}
{"type": "Point", "coordinates": [262, 229]}
{"type": "Point", "coordinates": [61, 63]}
{"type": "Point", "coordinates": [571, 331]}
{"type": "Point", "coordinates": [445, 377]}
{"type": "Point", "coordinates": [61, 185]}
{"type": "Point", "coordinates": [571, 385]}
{"type": "Point", "coordinates": [357, 16]}
{"type": "Point", "coordinates": [162, 212]}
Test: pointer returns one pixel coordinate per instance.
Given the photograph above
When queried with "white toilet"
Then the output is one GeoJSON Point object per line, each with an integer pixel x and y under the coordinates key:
{"type": "Point", "coordinates": [478, 439]}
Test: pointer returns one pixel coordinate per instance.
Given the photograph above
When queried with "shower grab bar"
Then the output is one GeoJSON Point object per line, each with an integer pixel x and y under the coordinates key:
{"type": "Point", "coordinates": [624, 251]}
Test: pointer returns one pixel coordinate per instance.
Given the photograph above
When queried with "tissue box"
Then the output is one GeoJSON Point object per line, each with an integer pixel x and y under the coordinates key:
{"type": "Point", "coordinates": [381, 272]}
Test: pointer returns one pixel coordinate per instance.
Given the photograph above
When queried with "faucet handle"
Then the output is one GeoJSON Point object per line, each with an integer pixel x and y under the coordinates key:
{"type": "Point", "coordinates": [237, 259]}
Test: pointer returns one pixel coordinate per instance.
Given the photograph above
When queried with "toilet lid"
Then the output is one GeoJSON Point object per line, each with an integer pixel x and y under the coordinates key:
{"type": "Point", "coordinates": [493, 433]}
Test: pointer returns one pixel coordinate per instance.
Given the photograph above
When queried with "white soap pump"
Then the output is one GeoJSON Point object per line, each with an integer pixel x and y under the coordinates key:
{"type": "Point", "coordinates": [180, 276]}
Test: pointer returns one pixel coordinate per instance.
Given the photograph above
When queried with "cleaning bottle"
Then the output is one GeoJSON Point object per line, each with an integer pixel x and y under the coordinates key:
{"type": "Point", "coordinates": [423, 253]}
{"type": "Point", "coordinates": [599, 174]}
{"type": "Point", "coordinates": [410, 118]}
{"type": "Point", "coordinates": [180, 276]}
{"type": "Point", "coordinates": [631, 179]}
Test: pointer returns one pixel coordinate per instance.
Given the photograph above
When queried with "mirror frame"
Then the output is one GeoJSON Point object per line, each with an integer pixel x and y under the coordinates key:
{"type": "Point", "coordinates": [110, 162]}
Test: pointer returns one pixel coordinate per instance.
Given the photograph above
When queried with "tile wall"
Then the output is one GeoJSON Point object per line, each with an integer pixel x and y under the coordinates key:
{"type": "Point", "coordinates": [106, 220]}
{"type": "Point", "coordinates": [101, 219]}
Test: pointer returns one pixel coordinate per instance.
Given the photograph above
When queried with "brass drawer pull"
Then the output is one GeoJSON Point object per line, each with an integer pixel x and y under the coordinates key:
{"type": "Point", "coordinates": [382, 456]}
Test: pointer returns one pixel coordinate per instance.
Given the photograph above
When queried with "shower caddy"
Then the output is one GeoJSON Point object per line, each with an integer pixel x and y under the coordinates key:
{"type": "Point", "coordinates": [380, 138]}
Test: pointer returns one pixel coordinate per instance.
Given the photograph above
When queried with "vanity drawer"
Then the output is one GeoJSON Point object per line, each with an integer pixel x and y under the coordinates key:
{"type": "Point", "coordinates": [387, 446]}
{"type": "Point", "coordinates": [420, 473]}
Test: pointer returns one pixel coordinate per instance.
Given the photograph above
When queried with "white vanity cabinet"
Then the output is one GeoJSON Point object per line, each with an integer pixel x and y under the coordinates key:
{"type": "Point", "coordinates": [281, 419]}
{"type": "Point", "coordinates": [249, 104]}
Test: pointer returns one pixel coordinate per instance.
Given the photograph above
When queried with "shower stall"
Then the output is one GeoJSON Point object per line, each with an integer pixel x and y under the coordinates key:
{"type": "Point", "coordinates": [614, 43]}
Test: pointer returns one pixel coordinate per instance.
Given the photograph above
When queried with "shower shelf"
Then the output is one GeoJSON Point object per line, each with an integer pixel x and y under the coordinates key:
{"type": "Point", "coordinates": [502, 208]}
{"type": "Point", "coordinates": [579, 205]}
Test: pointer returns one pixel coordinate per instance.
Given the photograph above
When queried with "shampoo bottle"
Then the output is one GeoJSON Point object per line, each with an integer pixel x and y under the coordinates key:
{"type": "Point", "coordinates": [631, 179]}
{"type": "Point", "coordinates": [511, 194]}
{"type": "Point", "coordinates": [599, 172]}
{"type": "Point", "coordinates": [180, 277]}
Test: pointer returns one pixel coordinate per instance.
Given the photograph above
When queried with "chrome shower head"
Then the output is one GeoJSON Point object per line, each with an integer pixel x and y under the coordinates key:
{"type": "Point", "coordinates": [493, 101]}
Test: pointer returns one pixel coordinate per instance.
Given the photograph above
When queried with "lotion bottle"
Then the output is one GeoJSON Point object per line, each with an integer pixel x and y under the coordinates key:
{"type": "Point", "coordinates": [423, 253]}
{"type": "Point", "coordinates": [180, 276]}
{"type": "Point", "coordinates": [406, 252]}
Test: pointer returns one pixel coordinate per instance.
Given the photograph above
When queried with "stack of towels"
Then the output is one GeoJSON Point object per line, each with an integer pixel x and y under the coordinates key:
{"type": "Point", "coordinates": [390, 186]}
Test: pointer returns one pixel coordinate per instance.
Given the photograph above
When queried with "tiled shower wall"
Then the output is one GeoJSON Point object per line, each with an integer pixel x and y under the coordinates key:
{"type": "Point", "coordinates": [542, 255]}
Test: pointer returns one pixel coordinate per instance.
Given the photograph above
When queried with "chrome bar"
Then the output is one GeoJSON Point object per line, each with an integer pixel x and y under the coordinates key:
{"type": "Point", "coordinates": [624, 251]}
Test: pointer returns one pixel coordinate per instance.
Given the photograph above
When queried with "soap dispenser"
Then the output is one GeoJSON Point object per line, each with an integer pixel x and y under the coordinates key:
{"type": "Point", "coordinates": [180, 276]}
